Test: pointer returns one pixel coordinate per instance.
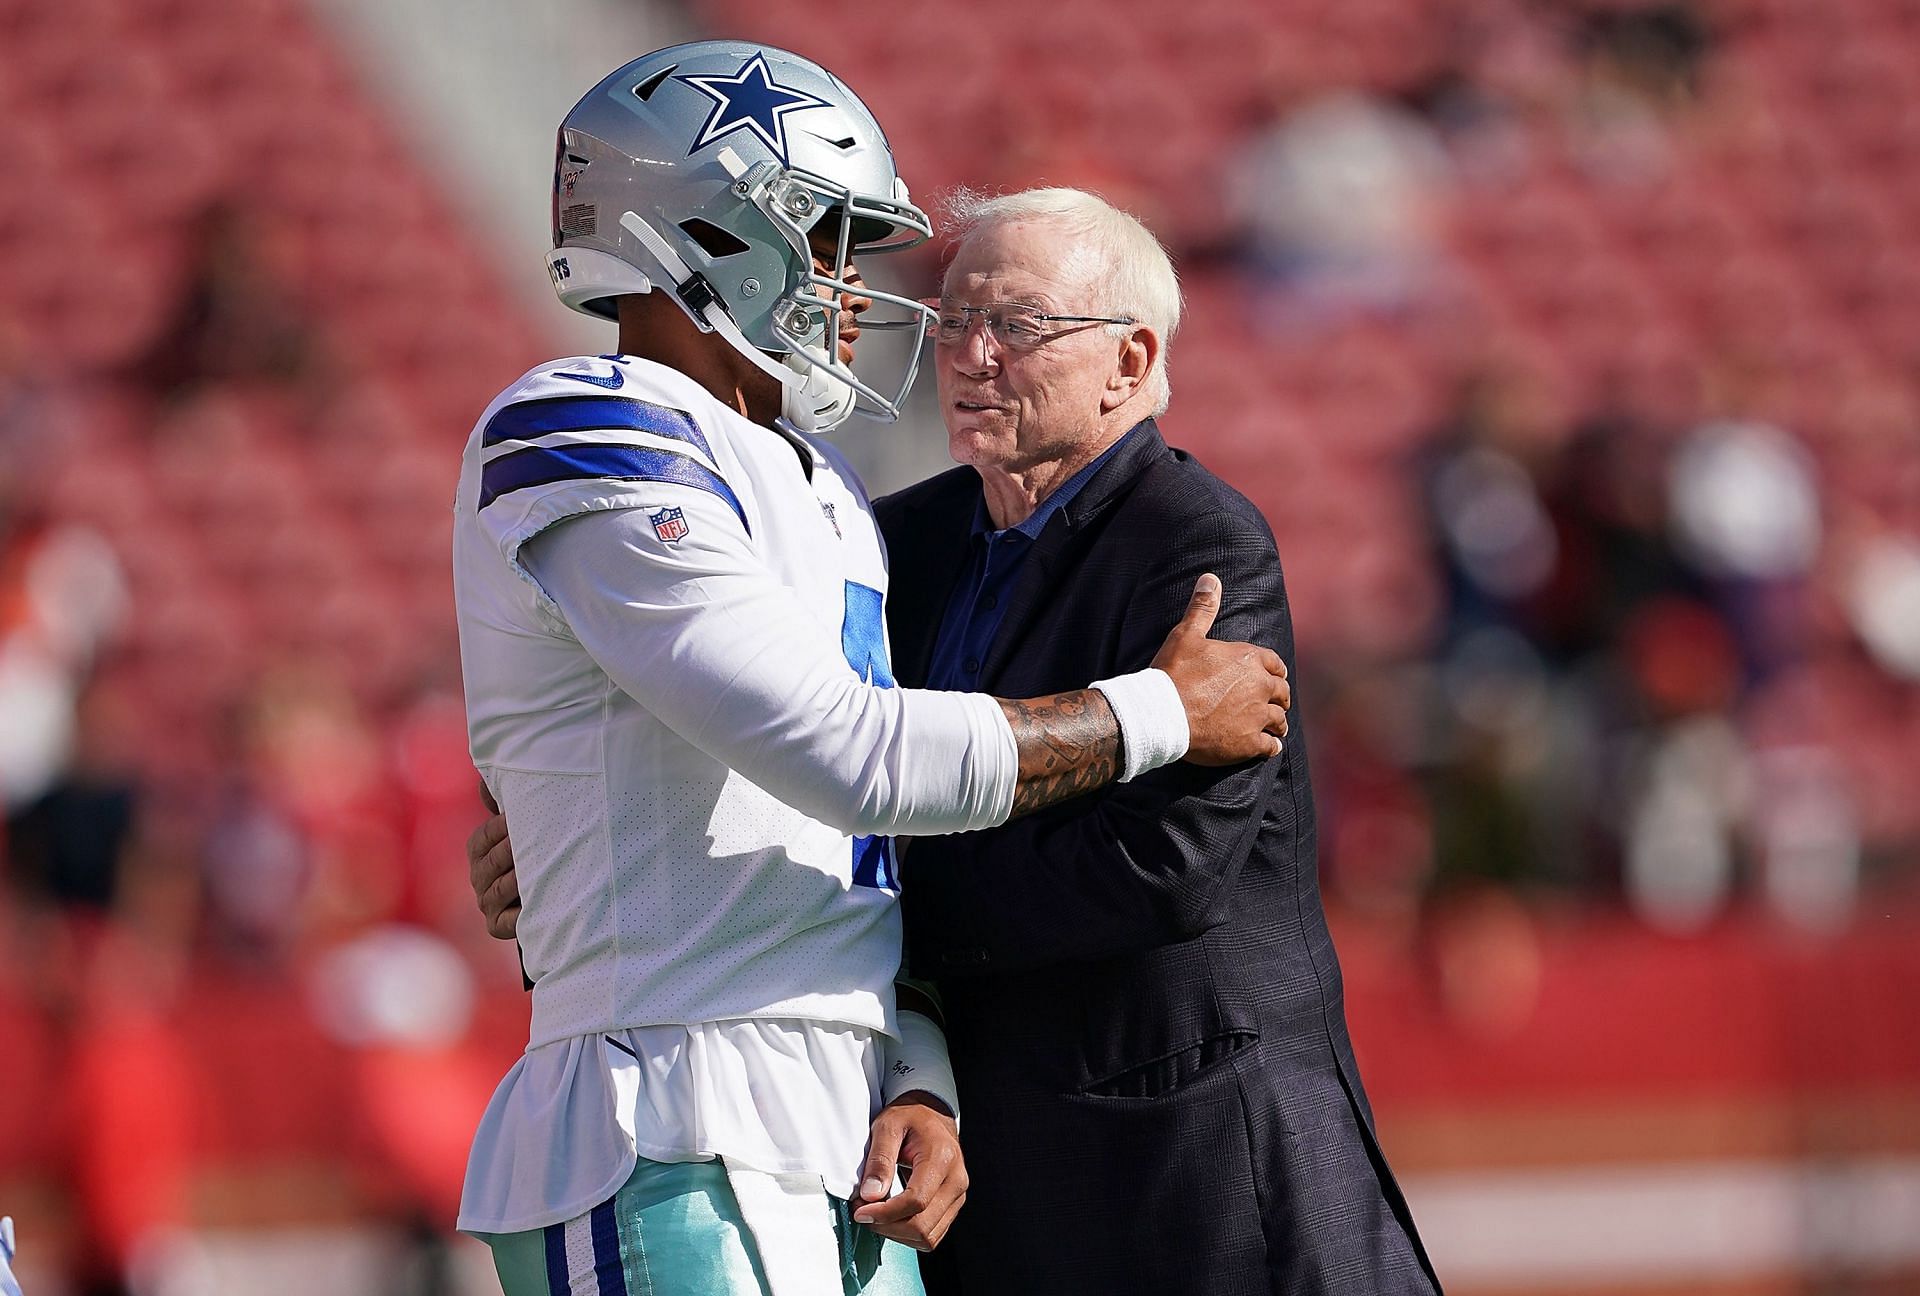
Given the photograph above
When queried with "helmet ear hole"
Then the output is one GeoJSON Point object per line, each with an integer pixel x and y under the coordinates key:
{"type": "Point", "coordinates": [714, 241]}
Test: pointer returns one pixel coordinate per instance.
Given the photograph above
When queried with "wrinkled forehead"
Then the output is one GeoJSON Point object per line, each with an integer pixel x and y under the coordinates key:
{"type": "Point", "coordinates": [1036, 262]}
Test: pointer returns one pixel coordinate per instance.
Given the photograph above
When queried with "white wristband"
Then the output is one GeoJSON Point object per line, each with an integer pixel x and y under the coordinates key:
{"type": "Point", "coordinates": [918, 1060]}
{"type": "Point", "coordinates": [1152, 719]}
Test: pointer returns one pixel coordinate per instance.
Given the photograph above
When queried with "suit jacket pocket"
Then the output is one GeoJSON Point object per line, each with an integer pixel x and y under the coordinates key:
{"type": "Point", "coordinates": [1176, 1070]}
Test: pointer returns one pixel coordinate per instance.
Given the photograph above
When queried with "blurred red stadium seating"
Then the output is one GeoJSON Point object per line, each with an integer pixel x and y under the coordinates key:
{"type": "Point", "coordinates": [176, 171]}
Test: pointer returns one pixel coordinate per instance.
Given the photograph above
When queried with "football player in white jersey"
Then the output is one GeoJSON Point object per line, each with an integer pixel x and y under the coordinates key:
{"type": "Point", "coordinates": [670, 594]}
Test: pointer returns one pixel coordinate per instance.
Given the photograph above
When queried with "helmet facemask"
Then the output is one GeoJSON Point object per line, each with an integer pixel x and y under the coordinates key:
{"type": "Point", "coordinates": [804, 329]}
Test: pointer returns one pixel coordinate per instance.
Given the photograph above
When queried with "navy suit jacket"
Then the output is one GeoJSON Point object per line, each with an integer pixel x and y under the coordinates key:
{"type": "Point", "coordinates": [1142, 999]}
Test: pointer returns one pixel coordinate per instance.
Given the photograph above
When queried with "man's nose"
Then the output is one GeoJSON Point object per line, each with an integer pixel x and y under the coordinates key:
{"type": "Point", "coordinates": [976, 352]}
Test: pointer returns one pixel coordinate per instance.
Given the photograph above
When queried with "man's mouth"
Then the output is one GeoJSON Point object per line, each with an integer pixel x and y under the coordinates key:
{"type": "Point", "coordinates": [972, 406]}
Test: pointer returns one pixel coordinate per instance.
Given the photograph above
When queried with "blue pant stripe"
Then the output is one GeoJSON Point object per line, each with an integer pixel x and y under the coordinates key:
{"type": "Point", "coordinates": [608, 1271]}
{"type": "Point", "coordinates": [555, 1238]}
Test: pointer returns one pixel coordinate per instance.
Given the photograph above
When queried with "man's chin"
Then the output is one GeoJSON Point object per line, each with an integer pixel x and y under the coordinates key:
{"type": "Point", "coordinates": [973, 444]}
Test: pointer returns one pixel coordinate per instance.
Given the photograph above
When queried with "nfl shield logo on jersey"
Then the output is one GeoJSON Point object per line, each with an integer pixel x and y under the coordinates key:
{"type": "Point", "coordinates": [669, 524]}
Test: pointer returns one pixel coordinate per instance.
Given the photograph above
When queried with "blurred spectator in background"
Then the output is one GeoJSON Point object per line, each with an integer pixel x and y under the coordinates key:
{"type": "Point", "coordinates": [67, 844]}
{"type": "Point", "coordinates": [62, 594]}
{"type": "Point", "coordinates": [1637, 75]}
{"type": "Point", "coordinates": [1336, 200]}
{"type": "Point", "coordinates": [230, 324]}
{"type": "Point", "coordinates": [255, 866]}
{"type": "Point", "coordinates": [1614, 595]}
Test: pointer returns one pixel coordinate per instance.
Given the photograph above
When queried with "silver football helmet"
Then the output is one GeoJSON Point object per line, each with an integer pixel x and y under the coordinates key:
{"type": "Point", "coordinates": [703, 170]}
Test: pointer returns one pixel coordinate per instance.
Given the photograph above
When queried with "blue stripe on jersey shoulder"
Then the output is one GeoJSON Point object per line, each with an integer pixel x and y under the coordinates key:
{"type": "Point", "coordinates": [525, 420]}
{"type": "Point", "coordinates": [544, 465]}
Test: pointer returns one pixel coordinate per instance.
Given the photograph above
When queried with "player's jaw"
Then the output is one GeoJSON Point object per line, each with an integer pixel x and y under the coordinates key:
{"type": "Point", "coordinates": [849, 334]}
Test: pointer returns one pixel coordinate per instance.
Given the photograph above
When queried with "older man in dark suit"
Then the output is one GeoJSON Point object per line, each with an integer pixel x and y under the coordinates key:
{"type": "Point", "coordinates": [1143, 1003]}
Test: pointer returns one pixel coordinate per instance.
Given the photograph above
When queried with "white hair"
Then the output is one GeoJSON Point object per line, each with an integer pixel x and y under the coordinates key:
{"type": "Point", "coordinates": [1138, 278]}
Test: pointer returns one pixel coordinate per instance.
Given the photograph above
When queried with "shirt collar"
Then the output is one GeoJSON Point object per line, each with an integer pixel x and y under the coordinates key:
{"type": "Point", "coordinates": [1036, 521]}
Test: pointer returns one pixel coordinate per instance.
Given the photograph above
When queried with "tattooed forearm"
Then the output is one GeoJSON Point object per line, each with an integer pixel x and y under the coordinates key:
{"type": "Point", "coordinates": [1069, 744]}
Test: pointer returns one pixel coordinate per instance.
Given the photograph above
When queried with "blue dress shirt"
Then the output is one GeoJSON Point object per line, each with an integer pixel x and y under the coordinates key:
{"type": "Point", "coordinates": [979, 598]}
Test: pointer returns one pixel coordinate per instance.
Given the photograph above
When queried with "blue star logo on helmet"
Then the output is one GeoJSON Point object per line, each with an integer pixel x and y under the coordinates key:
{"type": "Point", "coordinates": [749, 100]}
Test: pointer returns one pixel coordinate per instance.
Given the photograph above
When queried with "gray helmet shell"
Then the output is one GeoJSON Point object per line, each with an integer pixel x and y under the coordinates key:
{"type": "Point", "coordinates": [704, 170]}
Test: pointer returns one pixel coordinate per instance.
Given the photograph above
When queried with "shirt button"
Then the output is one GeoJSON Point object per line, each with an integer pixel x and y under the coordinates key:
{"type": "Point", "coordinates": [973, 666]}
{"type": "Point", "coordinates": [990, 602]}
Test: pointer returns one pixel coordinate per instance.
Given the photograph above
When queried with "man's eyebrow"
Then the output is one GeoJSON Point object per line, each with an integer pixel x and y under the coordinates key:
{"type": "Point", "coordinates": [1033, 301]}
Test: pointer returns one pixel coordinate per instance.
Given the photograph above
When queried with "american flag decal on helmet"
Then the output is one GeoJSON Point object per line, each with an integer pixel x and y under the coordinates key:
{"type": "Point", "coordinates": [669, 524]}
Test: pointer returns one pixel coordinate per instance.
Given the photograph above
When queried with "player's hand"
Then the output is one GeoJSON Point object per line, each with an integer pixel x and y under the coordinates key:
{"type": "Point", "coordinates": [1236, 694]}
{"type": "Point", "coordinates": [490, 872]}
{"type": "Point", "coordinates": [915, 1133]}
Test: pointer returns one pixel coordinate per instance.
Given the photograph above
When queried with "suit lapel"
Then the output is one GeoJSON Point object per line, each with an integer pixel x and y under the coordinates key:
{"type": "Point", "coordinates": [926, 554]}
{"type": "Point", "coordinates": [1050, 552]}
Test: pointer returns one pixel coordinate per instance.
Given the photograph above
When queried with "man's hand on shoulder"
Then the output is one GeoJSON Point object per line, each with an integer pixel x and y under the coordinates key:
{"type": "Point", "coordinates": [1236, 694]}
{"type": "Point", "coordinates": [916, 1133]}
{"type": "Point", "coordinates": [496, 888]}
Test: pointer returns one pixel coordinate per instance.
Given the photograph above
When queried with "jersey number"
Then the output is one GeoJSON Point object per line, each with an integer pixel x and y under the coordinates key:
{"type": "Point", "coordinates": [863, 638]}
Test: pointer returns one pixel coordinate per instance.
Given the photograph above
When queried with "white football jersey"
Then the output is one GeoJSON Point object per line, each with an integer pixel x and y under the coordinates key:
{"type": "Point", "coordinates": [701, 752]}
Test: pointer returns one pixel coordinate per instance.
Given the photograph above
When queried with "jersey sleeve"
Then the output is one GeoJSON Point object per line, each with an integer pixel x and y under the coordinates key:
{"type": "Point", "coordinates": [688, 622]}
{"type": "Point", "coordinates": [553, 457]}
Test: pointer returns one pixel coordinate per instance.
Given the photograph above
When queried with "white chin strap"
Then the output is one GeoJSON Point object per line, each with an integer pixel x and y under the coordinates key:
{"type": "Point", "coordinates": [811, 400]}
{"type": "Point", "coordinates": [829, 399]}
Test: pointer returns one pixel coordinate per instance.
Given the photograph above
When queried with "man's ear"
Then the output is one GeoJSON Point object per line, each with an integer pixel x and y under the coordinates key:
{"type": "Point", "coordinates": [1139, 353]}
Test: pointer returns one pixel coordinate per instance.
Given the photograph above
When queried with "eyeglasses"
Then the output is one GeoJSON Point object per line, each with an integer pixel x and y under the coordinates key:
{"type": "Point", "coordinates": [1013, 326]}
